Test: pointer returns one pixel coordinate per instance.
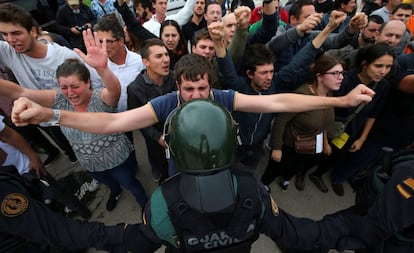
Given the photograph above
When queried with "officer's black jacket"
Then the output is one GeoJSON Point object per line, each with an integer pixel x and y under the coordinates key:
{"type": "Point", "coordinates": [28, 218]}
{"type": "Point", "coordinates": [392, 213]}
{"type": "Point", "coordinates": [287, 231]}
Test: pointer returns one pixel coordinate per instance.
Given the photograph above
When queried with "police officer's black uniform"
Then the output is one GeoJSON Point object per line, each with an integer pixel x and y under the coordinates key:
{"type": "Point", "coordinates": [210, 207]}
{"type": "Point", "coordinates": [393, 214]}
{"type": "Point", "coordinates": [232, 230]}
{"type": "Point", "coordinates": [27, 225]}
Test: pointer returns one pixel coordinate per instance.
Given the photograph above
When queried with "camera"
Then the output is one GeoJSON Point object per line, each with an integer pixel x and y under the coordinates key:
{"type": "Point", "coordinates": [82, 28]}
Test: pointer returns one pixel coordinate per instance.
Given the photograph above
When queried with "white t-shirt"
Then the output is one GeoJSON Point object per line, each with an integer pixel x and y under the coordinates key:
{"type": "Point", "coordinates": [40, 73]}
{"type": "Point", "coordinates": [180, 17]}
{"type": "Point", "coordinates": [126, 73]}
{"type": "Point", "coordinates": [14, 156]}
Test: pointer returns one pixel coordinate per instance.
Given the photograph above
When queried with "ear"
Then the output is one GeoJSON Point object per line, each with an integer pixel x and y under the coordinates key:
{"type": "Point", "coordinates": [146, 62]}
{"type": "Point", "coordinates": [363, 63]}
{"type": "Point", "coordinates": [122, 40]}
{"type": "Point", "coordinates": [318, 76]}
{"type": "Point", "coordinates": [33, 32]}
{"type": "Point", "coordinates": [89, 83]}
{"type": "Point", "coordinates": [292, 20]}
{"type": "Point", "coordinates": [192, 48]}
{"type": "Point", "coordinates": [249, 74]}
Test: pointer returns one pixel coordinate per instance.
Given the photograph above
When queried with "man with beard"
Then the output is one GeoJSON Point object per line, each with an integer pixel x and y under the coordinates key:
{"type": "Point", "coordinates": [365, 37]}
{"type": "Point", "coordinates": [197, 21]}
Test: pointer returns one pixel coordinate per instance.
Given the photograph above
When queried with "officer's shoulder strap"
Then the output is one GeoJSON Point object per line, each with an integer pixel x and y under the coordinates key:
{"type": "Point", "coordinates": [249, 204]}
{"type": "Point", "coordinates": [160, 221]}
{"type": "Point", "coordinates": [180, 212]}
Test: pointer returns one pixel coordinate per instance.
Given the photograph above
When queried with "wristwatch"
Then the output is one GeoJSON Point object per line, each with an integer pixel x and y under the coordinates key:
{"type": "Point", "coordinates": [54, 121]}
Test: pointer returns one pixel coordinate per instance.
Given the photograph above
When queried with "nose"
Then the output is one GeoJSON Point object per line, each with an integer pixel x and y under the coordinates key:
{"type": "Point", "coordinates": [383, 70]}
{"type": "Point", "coordinates": [392, 41]}
{"type": "Point", "coordinates": [269, 76]}
{"type": "Point", "coordinates": [196, 94]}
{"type": "Point", "coordinates": [166, 58]}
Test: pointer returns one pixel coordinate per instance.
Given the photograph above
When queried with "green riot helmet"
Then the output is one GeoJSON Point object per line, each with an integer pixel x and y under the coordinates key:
{"type": "Point", "coordinates": [202, 137]}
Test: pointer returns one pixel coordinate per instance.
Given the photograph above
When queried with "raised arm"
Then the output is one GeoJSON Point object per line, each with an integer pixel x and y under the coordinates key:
{"type": "Point", "coordinates": [281, 41]}
{"type": "Point", "coordinates": [287, 102]}
{"type": "Point", "coordinates": [131, 23]}
{"type": "Point", "coordinates": [343, 38]}
{"type": "Point", "coordinates": [227, 71]}
{"type": "Point", "coordinates": [269, 25]}
{"type": "Point", "coordinates": [26, 112]}
{"type": "Point", "coordinates": [97, 58]}
{"type": "Point", "coordinates": [287, 78]}
{"type": "Point", "coordinates": [237, 45]}
{"type": "Point", "coordinates": [184, 14]}
{"type": "Point", "coordinates": [14, 91]}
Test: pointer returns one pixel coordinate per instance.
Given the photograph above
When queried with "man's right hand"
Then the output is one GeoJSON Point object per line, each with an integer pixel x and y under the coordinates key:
{"type": "Point", "coordinates": [216, 31]}
{"type": "Point", "coordinates": [276, 155]}
{"type": "Point", "coordinates": [242, 15]}
{"type": "Point", "coordinates": [335, 19]}
{"type": "Point", "coordinates": [310, 23]}
{"type": "Point", "coordinates": [27, 112]}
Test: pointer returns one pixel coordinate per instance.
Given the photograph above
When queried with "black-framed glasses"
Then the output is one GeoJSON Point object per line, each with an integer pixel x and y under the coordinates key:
{"type": "Point", "coordinates": [336, 73]}
{"type": "Point", "coordinates": [108, 41]}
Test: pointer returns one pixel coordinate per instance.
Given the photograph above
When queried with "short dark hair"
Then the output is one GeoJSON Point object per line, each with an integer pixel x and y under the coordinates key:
{"type": "Point", "coordinates": [322, 64]}
{"type": "Point", "coordinates": [73, 66]}
{"type": "Point", "coordinates": [257, 55]}
{"type": "Point", "coordinates": [337, 3]}
{"type": "Point", "coordinates": [109, 23]}
{"type": "Point", "coordinates": [192, 67]}
{"type": "Point", "coordinates": [11, 13]}
{"type": "Point", "coordinates": [208, 3]}
{"type": "Point", "coordinates": [377, 19]}
{"type": "Point", "coordinates": [371, 53]}
{"type": "Point", "coordinates": [145, 52]}
{"type": "Point", "coordinates": [296, 8]}
{"type": "Point", "coordinates": [145, 4]}
{"type": "Point", "coordinates": [403, 6]}
{"type": "Point", "coordinates": [204, 35]}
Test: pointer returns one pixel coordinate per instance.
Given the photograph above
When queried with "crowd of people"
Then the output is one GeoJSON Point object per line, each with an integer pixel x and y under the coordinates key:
{"type": "Point", "coordinates": [317, 70]}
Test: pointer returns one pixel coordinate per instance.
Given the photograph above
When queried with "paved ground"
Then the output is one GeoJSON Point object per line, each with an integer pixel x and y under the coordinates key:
{"type": "Point", "coordinates": [311, 203]}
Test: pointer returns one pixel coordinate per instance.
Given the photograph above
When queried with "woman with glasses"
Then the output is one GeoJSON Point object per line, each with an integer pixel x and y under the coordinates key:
{"type": "Point", "coordinates": [373, 64]}
{"type": "Point", "coordinates": [326, 76]}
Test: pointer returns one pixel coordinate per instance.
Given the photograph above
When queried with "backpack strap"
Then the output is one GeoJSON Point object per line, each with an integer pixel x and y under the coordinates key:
{"type": "Point", "coordinates": [180, 212]}
{"type": "Point", "coordinates": [249, 206]}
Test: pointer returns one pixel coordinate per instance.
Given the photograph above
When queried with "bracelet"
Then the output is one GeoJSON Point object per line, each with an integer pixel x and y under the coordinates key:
{"type": "Point", "coordinates": [54, 121]}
